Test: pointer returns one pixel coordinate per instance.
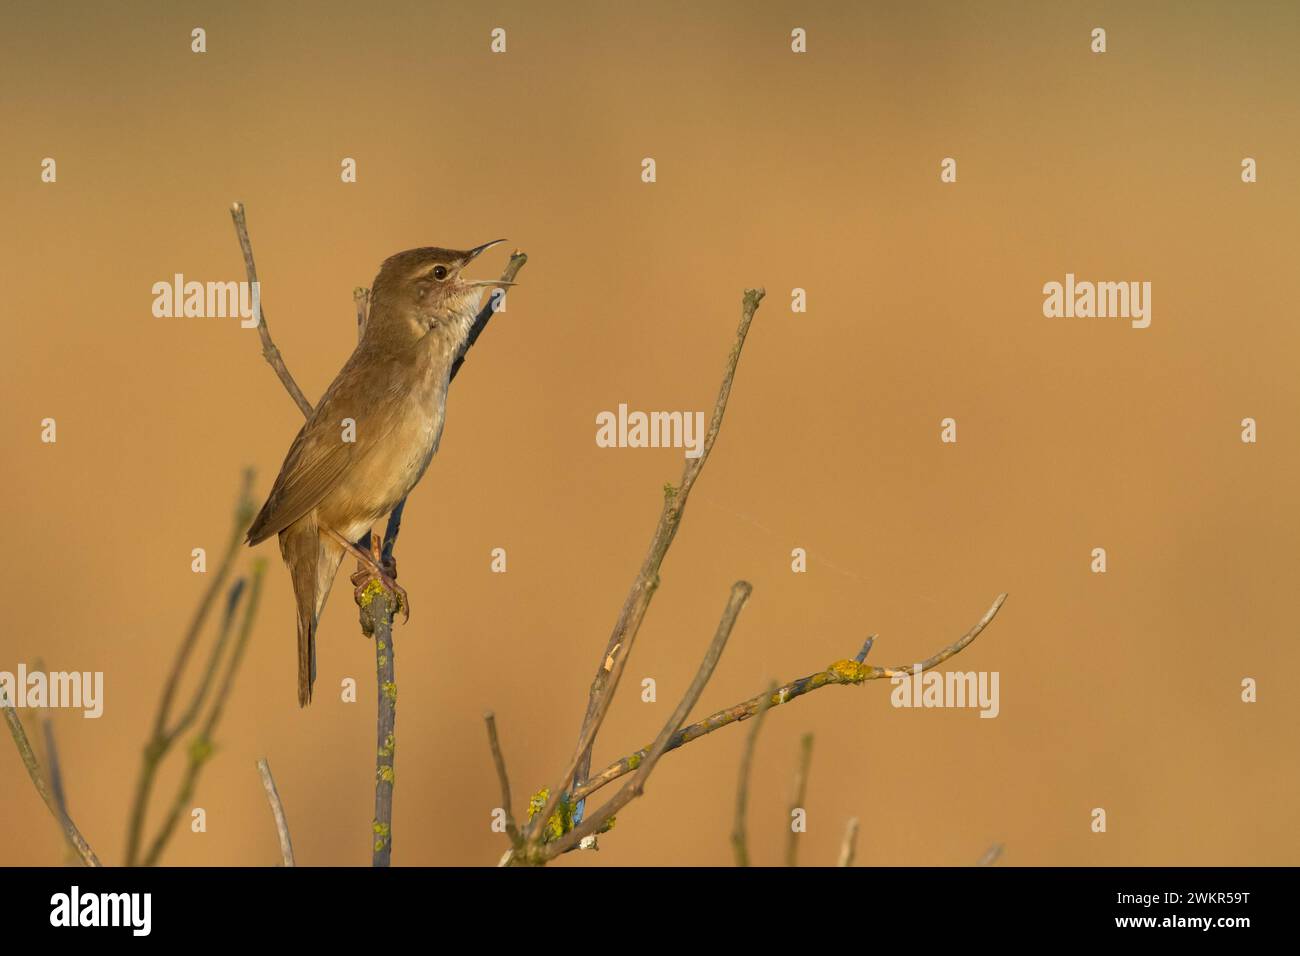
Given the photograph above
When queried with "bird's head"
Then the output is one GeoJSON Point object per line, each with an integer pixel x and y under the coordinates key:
{"type": "Point", "coordinates": [422, 291]}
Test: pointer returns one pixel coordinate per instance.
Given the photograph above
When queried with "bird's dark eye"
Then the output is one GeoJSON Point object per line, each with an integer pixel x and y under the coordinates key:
{"type": "Point", "coordinates": [440, 272]}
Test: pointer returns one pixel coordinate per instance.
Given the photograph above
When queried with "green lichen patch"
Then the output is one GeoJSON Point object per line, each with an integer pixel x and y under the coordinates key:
{"type": "Point", "coordinates": [374, 587]}
{"type": "Point", "coordinates": [850, 672]}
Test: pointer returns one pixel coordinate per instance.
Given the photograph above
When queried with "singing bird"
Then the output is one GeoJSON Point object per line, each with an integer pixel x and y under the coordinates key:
{"type": "Point", "coordinates": [374, 431]}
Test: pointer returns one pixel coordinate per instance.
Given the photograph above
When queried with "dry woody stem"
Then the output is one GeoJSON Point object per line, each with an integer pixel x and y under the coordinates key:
{"type": "Point", "coordinates": [800, 798]}
{"type": "Point", "coordinates": [740, 826]}
{"type": "Point", "coordinates": [623, 637]}
{"type": "Point", "coordinates": [277, 812]}
{"type": "Point", "coordinates": [166, 732]}
{"type": "Point", "coordinates": [70, 831]}
{"type": "Point", "coordinates": [558, 821]}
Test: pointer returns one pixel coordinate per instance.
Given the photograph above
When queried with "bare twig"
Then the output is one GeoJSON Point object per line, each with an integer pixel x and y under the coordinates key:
{"type": "Point", "coordinates": [53, 773]}
{"type": "Point", "coordinates": [849, 848]}
{"type": "Point", "coordinates": [202, 748]}
{"type": "Point", "coordinates": [600, 820]}
{"type": "Point", "coordinates": [991, 855]}
{"type": "Point", "coordinates": [53, 768]}
{"type": "Point", "coordinates": [739, 828]}
{"type": "Point", "coordinates": [841, 672]}
{"type": "Point", "coordinates": [622, 638]}
{"type": "Point", "coordinates": [503, 779]}
{"type": "Point", "coordinates": [70, 831]}
{"type": "Point", "coordinates": [269, 350]}
{"type": "Point", "coordinates": [277, 811]}
{"type": "Point", "coordinates": [163, 736]}
{"type": "Point", "coordinates": [799, 798]}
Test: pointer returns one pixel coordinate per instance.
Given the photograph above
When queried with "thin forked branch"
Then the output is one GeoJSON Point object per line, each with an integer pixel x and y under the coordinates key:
{"type": "Point", "coordinates": [70, 831]}
{"type": "Point", "coordinates": [202, 748]}
{"type": "Point", "coordinates": [841, 672]}
{"type": "Point", "coordinates": [600, 819]}
{"type": "Point", "coordinates": [619, 646]}
{"type": "Point", "coordinates": [165, 733]}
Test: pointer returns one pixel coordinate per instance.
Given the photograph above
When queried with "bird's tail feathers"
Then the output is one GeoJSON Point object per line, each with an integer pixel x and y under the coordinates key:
{"type": "Point", "coordinates": [313, 561]}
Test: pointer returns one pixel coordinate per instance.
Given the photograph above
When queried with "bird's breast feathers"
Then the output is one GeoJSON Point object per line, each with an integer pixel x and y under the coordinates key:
{"type": "Point", "coordinates": [391, 467]}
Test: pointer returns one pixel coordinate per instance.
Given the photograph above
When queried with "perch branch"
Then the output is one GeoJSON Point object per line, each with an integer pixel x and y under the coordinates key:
{"type": "Point", "coordinates": [378, 606]}
{"type": "Point", "coordinates": [277, 811]}
{"type": "Point", "coordinates": [377, 615]}
{"type": "Point", "coordinates": [841, 672]}
{"type": "Point", "coordinates": [621, 639]}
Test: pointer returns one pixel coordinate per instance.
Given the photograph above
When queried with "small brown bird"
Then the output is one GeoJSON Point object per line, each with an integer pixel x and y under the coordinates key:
{"type": "Point", "coordinates": [374, 431]}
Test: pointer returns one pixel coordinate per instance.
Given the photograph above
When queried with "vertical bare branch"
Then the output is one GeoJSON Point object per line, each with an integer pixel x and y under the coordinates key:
{"type": "Point", "coordinates": [739, 828]}
{"type": "Point", "coordinates": [379, 607]}
{"type": "Point", "coordinates": [503, 779]}
{"type": "Point", "coordinates": [799, 798]}
{"type": "Point", "coordinates": [377, 610]}
{"type": "Point", "coordinates": [277, 811]}
{"type": "Point", "coordinates": [849, 848]}
{"type": "Point", "coordinates": [269, 350]}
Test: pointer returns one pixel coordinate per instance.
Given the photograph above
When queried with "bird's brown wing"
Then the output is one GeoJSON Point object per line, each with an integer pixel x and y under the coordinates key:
{"type": "Point", "coordinates": [319, 456]}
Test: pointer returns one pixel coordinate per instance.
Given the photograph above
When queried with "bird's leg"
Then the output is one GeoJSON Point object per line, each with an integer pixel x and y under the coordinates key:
{"type": "Point", "coordinates": [372, 568]}
{"type": "Point", "coordinates": [363, 568]}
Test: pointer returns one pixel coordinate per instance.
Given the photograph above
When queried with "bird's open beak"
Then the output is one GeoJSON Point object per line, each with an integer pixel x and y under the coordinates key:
{"type": "Point", "coordinates": [474, 253]}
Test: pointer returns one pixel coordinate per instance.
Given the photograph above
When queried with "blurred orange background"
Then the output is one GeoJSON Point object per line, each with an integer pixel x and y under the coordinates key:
{"type": "Point", "coordinates": [818, 171]}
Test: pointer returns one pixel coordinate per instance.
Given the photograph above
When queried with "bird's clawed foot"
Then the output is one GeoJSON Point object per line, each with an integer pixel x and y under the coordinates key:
{"type": "Point", "coordinates": [372, 567]}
